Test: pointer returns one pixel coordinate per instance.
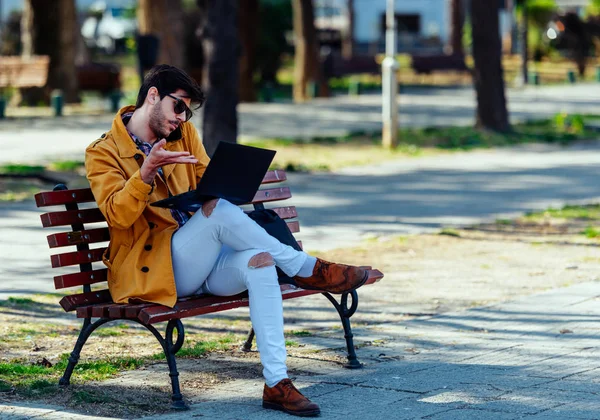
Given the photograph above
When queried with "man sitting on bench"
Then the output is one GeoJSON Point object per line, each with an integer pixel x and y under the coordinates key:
{"type": "Point", "coordinates": [158, 255]}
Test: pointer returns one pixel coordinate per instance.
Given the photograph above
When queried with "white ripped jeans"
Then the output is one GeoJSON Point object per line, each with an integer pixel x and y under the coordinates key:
{"type": "Point", "coordinates": [212, 255]}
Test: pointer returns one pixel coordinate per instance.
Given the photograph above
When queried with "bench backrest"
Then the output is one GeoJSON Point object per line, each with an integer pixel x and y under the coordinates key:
{"type": "Point", "coordinates": [81, 236]}
{"type": "Point", "coordinates": [18, 72]}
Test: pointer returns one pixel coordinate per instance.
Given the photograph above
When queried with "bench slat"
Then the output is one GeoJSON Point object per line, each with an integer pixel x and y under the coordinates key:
{"type": "Point", "coordinates": [80, 279]}
{"type": "Point", "coordinates": [78, 257]}
{"type": "Point", "coordinates": [84, 195]}
{"type": "Point", "coordinates": [89, 236]}
{"type": "Point", "coordinates": [204, 305]}
{"type": "Point", "coordinates": [272, 177]}
{"type": "Point", "coordinates": [294, 226]}
{"type": "Point", "coordinates": [271, 194]}
{"type": "Point", "coordinates": [57, 198]}
{"type": "Point", "coordinates": [71, 217]}
{"type": "Point", "coordinates": [288, 212]}
{"type": "Point", "coordinates": [72, 302]}
{"type": "Point", "coordinates": [100, 311]}
{"type": "Point", "coordinates": [209, 304]}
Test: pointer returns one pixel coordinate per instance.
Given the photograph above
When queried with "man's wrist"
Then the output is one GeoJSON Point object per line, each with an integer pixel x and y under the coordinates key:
{"type": "Point", "coordinates": [147, 175]}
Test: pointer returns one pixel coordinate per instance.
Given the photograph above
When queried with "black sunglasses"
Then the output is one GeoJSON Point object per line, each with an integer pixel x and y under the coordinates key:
{"type": "Point", "coordinates": [180, 107]}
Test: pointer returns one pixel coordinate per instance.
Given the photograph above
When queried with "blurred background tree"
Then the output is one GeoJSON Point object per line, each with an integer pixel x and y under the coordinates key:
{"type": "Point", "coordinates": [220, 76]}
{"type": "Point", "coordinates": [248, 24]}
{"type": "Point", "coordinates": [51, 28]}
{"type": "Point", "coordinates": [539, 13]}
{"type": "Point", "coordinates": [307, 67]}
{"type": "Point", "coordinates": [488, 75]}
{"type": "Point", "coordinates": [162, 18]}
{"type": "Point", "coordinates": [275, 17]}
{"type": "Point", "coordinates": [457, 22]}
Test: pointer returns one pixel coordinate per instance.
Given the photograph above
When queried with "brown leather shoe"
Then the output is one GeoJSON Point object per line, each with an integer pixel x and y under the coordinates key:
{"type": "Point", "coordinates": [333, 278]}
{"type": "Point", "coordinates": [285, 397]}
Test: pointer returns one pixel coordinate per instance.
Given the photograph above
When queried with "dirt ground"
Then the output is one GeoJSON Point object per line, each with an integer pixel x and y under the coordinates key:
{"type": "Point", "coordinates": [424, 275]}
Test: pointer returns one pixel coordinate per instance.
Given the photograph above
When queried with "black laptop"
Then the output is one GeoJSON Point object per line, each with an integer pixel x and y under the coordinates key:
{"type": "Point", "coordinates": [234, 173]}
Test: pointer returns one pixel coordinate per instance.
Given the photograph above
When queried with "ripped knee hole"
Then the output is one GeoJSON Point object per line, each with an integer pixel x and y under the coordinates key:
{"type": "Point", "coordinates": [209, 206]}
{"type": "Point", "coordinates": [264, 259]}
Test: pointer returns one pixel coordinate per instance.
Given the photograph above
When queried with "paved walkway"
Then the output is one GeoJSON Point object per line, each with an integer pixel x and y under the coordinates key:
{"type": "Point", "coordinates": [534, 358]}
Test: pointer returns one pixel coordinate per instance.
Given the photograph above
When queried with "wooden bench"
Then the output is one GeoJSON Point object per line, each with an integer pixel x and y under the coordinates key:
{"type": "Point", "coordinates": [334, 65]}
{"type": "Point", "coordinates": [97, 303]}
{"type": "Point", "coordinates": [428, 63]}
{"type": "Point", "coordinates": [21, 72]}
{"type": "Point", "coordinates": [101, 77]}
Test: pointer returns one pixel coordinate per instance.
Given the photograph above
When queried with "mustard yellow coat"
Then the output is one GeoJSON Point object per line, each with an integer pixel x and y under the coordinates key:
{"type": "Point", "coordinates": [139, 254]}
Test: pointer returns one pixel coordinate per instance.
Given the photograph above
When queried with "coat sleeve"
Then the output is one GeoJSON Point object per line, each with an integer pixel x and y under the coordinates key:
{"type": "Point", "coordinates": [120, 200]}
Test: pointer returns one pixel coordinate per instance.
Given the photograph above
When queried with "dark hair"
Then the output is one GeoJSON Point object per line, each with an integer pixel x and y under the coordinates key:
{"type": "Point", "coordinates": [168, 79]}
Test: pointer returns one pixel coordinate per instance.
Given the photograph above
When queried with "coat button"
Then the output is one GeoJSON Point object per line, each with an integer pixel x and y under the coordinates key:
{"type": "Point", "coordinates": [137, 156]}
{"type": "Point", "coordinates": [145, 269]}
{"type": "Point", "coordinates": [103, 135]}
{"type": "Point", "coordinates": [147, 247]}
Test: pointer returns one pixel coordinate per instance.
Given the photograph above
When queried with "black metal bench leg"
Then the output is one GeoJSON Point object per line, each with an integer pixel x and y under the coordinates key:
{"type": "Point", "coordinates": [86, 330]}
{"type": "Point", "coordinates": [248, 343]}
{"type": "Point", "coordinates": [345, 313]}
{"type": "Point", "coordinates": [170, 350]}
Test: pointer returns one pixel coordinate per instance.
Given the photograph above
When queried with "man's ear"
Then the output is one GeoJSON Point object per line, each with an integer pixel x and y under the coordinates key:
{"type": "Point", "coordinates": [153, 96]}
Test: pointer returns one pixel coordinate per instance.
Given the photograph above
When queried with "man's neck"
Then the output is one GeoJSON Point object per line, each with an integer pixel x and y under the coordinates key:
{"type": "Point", "coordinates": [138, 126]}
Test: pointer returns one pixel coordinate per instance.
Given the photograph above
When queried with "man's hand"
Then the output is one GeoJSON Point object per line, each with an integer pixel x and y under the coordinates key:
{"type": "Point", "coordinates": [159, 157]}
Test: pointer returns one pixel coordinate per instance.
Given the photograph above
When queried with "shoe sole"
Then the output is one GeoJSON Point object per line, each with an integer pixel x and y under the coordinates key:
{"type": "Point", "coordinates": [278, 407]}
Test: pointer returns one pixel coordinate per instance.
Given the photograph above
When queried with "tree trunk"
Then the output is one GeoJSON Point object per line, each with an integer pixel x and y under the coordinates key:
{"type": "Point", "coordinates": [457, 23]}
{"type": "Point", "coordinates": [163, 18]}
{"type": "Point", "coordinates": [51, 29]}
{"type": "Point", "coordinates": [306, 61]}
{"type": "Point", "coordinates": [348, 32]}
{"type": "Point", "coordinates": [488, 74]}
{"type": "Point", "coordinates": [524, 43]}
{"type": "Point", "coordinates": [27, 30]}
{"type": "Point", "coordinates": [221, 73]}
{"type": "Point", "coordinates": [248, 27]}
{"type": "Point", "coordinates": [507, 37]}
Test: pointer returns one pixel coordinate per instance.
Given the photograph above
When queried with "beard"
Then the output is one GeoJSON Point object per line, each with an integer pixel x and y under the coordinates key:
{"type": "Point", "coordinates": [158, 124]}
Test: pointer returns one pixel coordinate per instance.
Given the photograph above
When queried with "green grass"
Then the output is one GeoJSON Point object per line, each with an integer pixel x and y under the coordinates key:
{"type": "Point", "coordinates": [66, 165]}
{"type": "Point", "coordinates": [31, 379]}
{"type": "Point", "coordinates": [19, 169]}
{"type": "Point", "coordinates": [299, 333]}
{"type": "Point", "coordinates": [504, 222]}
{"type": "Point", "coordinates": [18, 302]}
{"type": "Point", "coordinates": [591, 232]}
{"type": "Point", "coordinates": [202, 347]}
{"type": "Point", "coordinates": [450, 232]}
{"type": "Point", "coordinates": [109, 332]}
{"type": "Point", "coordinates": [558, 130]}
{"type": "Point", "coordinates": [570, 212]}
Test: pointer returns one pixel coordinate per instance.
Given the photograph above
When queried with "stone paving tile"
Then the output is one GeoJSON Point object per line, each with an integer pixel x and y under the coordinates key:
{"type": "Point", "coordinates": [24, 411]}
{"type": "Point", "coordinates": [564, 412]}
{"type": "Point", "coordinates": [470, 395]}
{"type": "Point", "coordinates": [469, 414]}
{"type": "Point", "coordinates": [214, 410]}
{"type": "Point", "coordinates": [574, 386]}
{"type": "Point", "coordinates": [413, 408]}
{"type": "Point", "coordinates": [352, 400]}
